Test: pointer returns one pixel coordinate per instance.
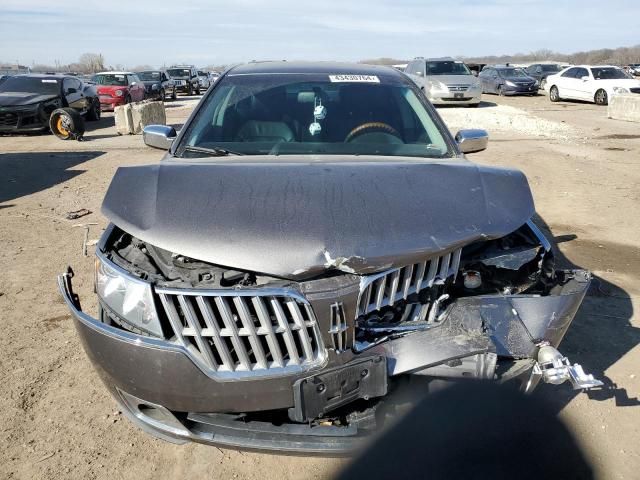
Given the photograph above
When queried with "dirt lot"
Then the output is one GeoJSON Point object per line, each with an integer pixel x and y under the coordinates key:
{"type": "Point", "coordinates": [56, 419]}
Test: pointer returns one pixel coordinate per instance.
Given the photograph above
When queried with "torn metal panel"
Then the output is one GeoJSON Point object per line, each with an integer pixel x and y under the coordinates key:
{"type": "Point", "coordinates": [290, 219]}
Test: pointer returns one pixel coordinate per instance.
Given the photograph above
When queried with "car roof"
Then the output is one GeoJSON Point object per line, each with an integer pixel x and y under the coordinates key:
{"type": "Point", "coordinates": [114, 73]}
{"type": "Point", "coordinates": [44, 76]}
{"type": "Point", "coordinates": [328, 68]}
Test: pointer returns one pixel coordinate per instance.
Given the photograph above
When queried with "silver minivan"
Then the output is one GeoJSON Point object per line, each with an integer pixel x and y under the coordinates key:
{"type": "Point", "coordinates": [445, 81]}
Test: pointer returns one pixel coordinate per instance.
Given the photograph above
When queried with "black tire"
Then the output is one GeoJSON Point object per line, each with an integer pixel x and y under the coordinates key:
{"type": "Point", "coordinates": [174, 95]}
{"type": "Point", "coordinates": [66, 124]}
{"type": "Point", "coordinates": [198, 90]}
{"type": "Point", "coordinates": [554, 94]}
{"type": "Point", "coordinates": [162, 94]}
{"type": "Point", "coordinates": [93, 115]}
{"type": "Point", "coordinates": [190, 92]}
{"type": "Point", "coordinates": [499, 91]}
{"type": "Point", "coordinates": [127, 100]}
{"type": "Point", "coordinates": [601, 97]}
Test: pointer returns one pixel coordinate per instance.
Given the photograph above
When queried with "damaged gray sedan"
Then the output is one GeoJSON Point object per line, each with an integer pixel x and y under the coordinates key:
{"type": "Point", "coordinates": [314, 242]}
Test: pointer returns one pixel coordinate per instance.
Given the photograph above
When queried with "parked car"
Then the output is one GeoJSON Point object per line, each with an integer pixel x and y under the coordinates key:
{"type": "Point", "coordinates": [445, 81]}
{"type": "Point", "coordinates": [35, 102]}
{"type": "Point", "coordinates": [280, 302]}
{"type": "Point", "coordinates": [185, 78]}
{"type": "Point", "coordinates": [157, 84]}
{"type": "Point", "coordinates": [118, 88]}
{"type": "Point", "coordinates": [503, 80]}
{"type": "Point", "coordinates": [590, 83]}
{"type": "Point", "coordinates": [540, 71]}
{"type": "Point", "coordinates": [205, 79]}
{"type": "Point", "coordinates": [214, 77]}
{"type": "Point", "coordinates": [634, 69]}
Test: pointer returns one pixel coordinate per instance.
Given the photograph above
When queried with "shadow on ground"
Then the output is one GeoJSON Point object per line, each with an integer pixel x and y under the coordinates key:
{"type": "Point", "coordinates": [602, 332]}
{"type": "Point", "coordinates": [30, 172]}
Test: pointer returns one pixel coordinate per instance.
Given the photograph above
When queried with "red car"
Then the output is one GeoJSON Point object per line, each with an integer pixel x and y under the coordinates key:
{"type": "Point", "coordinates": [118, 88]}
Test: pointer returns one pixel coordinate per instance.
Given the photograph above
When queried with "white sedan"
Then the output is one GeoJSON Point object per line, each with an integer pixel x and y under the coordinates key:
{"type": "Point", "coordinates": [591, 83]}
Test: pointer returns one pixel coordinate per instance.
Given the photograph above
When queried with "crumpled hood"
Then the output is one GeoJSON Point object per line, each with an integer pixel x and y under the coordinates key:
{"type": "Point", "coordinates": [294, 220]}
{"type": "Point", "coordinates": [14, 99]}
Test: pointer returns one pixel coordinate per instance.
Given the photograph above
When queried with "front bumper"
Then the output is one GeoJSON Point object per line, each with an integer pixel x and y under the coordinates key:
{"type": "Point", "coordinates": [520, 89]}
{"type": "Point", "coordinates": [162, 390]}
{"type": "Point", "coordinates": [23, 120]}
{"type": "Point", "coordinates": [110, 103]}
{"type": "Point", "coordinates": [468, 97]}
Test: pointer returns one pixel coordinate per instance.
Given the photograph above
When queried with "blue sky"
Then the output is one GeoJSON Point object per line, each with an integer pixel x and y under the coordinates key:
{"type": "Point", "coordinates": [203, 32]}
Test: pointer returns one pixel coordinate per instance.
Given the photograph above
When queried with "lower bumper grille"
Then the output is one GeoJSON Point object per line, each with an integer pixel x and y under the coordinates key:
{"type": "Point", "coordinates": [8, 120]}
{"type": "Point", "coordinates": [237, 333]}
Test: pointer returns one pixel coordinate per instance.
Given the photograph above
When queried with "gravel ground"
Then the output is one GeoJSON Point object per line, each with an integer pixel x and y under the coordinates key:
{"type": "Point", "coordinates": [57, 421]}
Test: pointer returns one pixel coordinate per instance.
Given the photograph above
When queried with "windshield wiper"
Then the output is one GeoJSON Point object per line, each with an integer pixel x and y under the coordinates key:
{"type": "Point", "coordinates": [211, 151]}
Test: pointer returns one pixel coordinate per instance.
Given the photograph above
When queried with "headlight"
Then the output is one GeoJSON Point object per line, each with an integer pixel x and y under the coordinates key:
{"type": "Point", "coordinates": [510, 83]}
{"type": "Point", "coordinates": [119, 93]}
{"type": "Point", "coordinates": [620, 90]}
{"type": "Point", "coordinates": [154, 86]}
{"type": "Point", "coordinates": [536, 83]}
{"type": "Point", "coordinates": [438, 87]}
{"type": "Point", "coordinates": [129, 298]}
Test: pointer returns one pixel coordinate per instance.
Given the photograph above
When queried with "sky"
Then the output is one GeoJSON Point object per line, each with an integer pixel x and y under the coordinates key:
{"type": "Point", "coordinates": [213, 32]}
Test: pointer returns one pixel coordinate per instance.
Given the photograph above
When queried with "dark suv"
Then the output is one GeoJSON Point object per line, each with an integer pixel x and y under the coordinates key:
{"type": "Point", "coordinates": [299, 255]}
{"type": "Point", "coordinates": [540, 71]}
{"type": "Point", "coordinates": [185, 79]}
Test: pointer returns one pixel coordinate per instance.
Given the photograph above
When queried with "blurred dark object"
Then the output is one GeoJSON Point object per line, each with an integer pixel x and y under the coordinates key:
{"type": "Point", "coordinates": [475, 431]}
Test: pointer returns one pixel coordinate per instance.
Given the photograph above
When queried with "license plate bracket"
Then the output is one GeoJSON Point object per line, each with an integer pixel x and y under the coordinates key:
{"type": "Point", "coordinates": [326, 391]}
{"type": "Point", "coordinates": [458, 95]}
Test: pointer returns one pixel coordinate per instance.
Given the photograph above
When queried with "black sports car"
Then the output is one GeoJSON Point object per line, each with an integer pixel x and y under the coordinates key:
{"type": "Point", "coordinates": [27, 101]}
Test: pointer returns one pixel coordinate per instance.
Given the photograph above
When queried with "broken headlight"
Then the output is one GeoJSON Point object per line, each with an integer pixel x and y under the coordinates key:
{"type": "Point", "coordinates": [129, 298]}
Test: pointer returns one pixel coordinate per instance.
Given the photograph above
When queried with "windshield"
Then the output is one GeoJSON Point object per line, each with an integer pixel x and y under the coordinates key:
{"type": "Point", "coordinates": [149, 76]}
{"type": "Point", "coordinates": [447, 68]}
{"type": "Point", "coordinates": [313, 114]}
{"type": "Point", "coordinates": [202, 74]}
{"type": "Point", "coordinates": [550, 68]}
{"type": "Point", "coordinates": [179, 72]}
{"type": "Point", "coordinates": [511, 72]}
{"type": "Point", "coordinates": [110, 79]}
{"type": "Point", "coordinates": [609, 73]}
{"type": "Point", "coordinates": [43, 86]}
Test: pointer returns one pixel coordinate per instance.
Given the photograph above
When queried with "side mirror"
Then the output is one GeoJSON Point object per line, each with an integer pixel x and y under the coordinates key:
{"type": "Point", "coordinates": [585, 78]}
{"type": "Point", "coordinates": [471, 141]}
{"type": "Point", "coordinates": [159, 136]}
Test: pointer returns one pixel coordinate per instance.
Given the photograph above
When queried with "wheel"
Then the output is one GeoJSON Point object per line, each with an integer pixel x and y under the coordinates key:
{"type": "Point", "coordinates": [554, 94]}
{"type": "Point", "coordinates": [174, 95]}
{"type": "Point", "coordinates": [198, 90]}
{"type": "Point", "coordinates": [190, 92]}
{"type": "Point", "coordinates": [94, 112]}
{"type": "Point", "coordinates": [127, 99]}
{"type": "Point", "coordinates": [162, 94]}
{"type": "Point", "coordinates": [66, 124]}
{"type": "Point", "coordinates": [601, 97]}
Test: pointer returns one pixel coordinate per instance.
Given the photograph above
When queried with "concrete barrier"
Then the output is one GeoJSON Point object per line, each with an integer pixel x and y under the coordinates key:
{"type": "Point", "coordinates": [624, 107]}
{"type": "Point", "coordinates": [132, 118]}
{"type": "Point", "coordinates": [122, 116]}
{"type": "Point", "coordinates": [147, 113]}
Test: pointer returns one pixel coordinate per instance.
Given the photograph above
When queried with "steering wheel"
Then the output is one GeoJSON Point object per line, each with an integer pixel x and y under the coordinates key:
{"type": "Point", "coordinates": [372, 127]}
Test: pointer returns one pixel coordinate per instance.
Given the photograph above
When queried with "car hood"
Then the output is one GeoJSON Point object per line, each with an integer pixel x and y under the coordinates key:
{"type": "Point", "coordinates": [15, 99]}
{"type": "Point", "coordinates": [296, 219]}
{"type": "Point", "coordinates": [520, 79]}
{"type": "Point", "coordinates": [453, 79]}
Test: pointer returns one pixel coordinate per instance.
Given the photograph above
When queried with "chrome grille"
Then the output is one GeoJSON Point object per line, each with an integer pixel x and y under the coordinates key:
{"type": "Point", "coordinates": [234, 333]}
{"type": "Point", "coordinates": [458, 88]}
{"type": "Point", "coordinates": [339, 328]}
{"type": "Point", "coordinates": [386, 288]}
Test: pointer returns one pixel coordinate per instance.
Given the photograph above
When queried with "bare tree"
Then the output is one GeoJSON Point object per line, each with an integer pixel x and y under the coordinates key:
{"type": "Point", "coordinates": [91, 62]}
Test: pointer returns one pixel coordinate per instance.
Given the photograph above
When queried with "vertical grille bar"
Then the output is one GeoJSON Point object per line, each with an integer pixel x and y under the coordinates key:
{"type": "Point", "coordinates": [408, 273]}
{"type": "Point", "coordinates": [174, 318]}
{"type": "Point", "coordinates": [265, 323]}
{"type": "Point", "coordinates": [194, 324]}
{"type": "Point", "coordinates": [382, 283]}
{"type": "Point", "coordinates": [444, 267]}
{"type": "Point", "coordinates": [433, 269]}
{"type": "Point", "coordinates": [247, 322]}
{"type": "Point", "coordinates": [286, 331]}
{"type": "Point", "coordinates": [212, 325]}
{"type": "Point", "coordinates": [455, 263]}
{"type": "Point", "coordinates": [230, 324]}
{"type": "Point", "coordinates": [395, 280]}
{"type": "Point", "coordinates": [420, 275]}
{"type": "Point", "coordinates": [302, 328]}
